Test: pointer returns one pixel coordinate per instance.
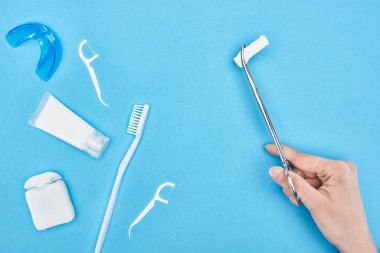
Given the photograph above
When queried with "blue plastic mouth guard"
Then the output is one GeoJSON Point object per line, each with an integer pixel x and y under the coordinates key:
{"type": "Point", "coordinates": [51, 50]}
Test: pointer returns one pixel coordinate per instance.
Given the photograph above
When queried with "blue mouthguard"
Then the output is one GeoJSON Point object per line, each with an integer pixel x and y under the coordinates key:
{"type": "Point", "coordinates": [51, 50]}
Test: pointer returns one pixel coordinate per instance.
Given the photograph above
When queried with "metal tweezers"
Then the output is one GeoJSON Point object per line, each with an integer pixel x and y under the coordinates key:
{"type": "Point", "coordinates": [287, 165]}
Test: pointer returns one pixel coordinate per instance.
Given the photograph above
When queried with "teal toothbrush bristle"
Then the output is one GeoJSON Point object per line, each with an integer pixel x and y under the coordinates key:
{"type": "Point", "coordinates": [135, 119]}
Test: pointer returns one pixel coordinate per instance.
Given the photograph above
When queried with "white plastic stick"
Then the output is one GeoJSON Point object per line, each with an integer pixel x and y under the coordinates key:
{"type": "Point", "coordinates": [252, 49]}
{"type": "Point", "coordinates": [136, 127]}
{"type": "Point", "coordinates": [115, 191]}
{"type": "Point", "coordinates": [91, 71]}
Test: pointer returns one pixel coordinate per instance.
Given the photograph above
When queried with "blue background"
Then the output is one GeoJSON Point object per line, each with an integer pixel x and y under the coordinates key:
{"type": "Point", "coordinates": [320, 80]}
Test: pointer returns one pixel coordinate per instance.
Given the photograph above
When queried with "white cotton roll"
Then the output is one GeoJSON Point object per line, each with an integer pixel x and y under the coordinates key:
{"type": "Point", "coordinates": [252, 49]}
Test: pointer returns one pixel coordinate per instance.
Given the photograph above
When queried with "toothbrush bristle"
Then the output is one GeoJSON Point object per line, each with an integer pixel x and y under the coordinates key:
{"type": "Point", "coordinates": [134, 121]}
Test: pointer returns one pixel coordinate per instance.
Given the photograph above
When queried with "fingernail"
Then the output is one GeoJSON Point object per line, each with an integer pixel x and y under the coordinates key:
{"type": "Point", "coordinates": [274, 170]}
{"type": "Point", "coordinates": [266, 146]}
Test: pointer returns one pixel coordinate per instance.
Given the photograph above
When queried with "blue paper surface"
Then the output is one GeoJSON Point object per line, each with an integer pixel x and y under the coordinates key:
{"type": "Point", "coordinates": [319, 78]}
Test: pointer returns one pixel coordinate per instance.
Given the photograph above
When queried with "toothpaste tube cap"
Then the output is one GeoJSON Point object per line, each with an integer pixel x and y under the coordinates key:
{"type": "Point", "coordinates": [95, 144]}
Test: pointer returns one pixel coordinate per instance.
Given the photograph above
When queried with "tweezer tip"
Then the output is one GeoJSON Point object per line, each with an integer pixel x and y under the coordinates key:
{"type": "Point", "coordinates": [242, 55]}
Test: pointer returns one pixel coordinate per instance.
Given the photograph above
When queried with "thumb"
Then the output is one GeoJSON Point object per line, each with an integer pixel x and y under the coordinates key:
{"type": "Point", "coordinates": [309, 196]}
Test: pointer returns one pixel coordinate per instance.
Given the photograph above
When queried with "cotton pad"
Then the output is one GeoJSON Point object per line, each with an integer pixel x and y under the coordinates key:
{"type": "Point", "coordinates": [48, 200]}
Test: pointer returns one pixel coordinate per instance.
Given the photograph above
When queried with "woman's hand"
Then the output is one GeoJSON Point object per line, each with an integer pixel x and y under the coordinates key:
{"type": "Point", "coordinates": [330, 191]}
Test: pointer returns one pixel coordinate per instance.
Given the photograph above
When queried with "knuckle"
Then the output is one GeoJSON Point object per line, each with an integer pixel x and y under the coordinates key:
{"type": "Point", "coordinates": [343, 166]}
{"type": "Point", "coordinates": [299, 157]}
{"type": "Point", "coordinates": [345, 170]}
{"type": "Point", "coordinates": [319, 163]}
{"type": "Point", "coordinates": [347, 166]}
{"type": "Point", "coordinates": [351, 165]}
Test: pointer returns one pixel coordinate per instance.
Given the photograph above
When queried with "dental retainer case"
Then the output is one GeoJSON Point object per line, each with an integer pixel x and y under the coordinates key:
{"type": "Point", "coordinates": [48, 200]}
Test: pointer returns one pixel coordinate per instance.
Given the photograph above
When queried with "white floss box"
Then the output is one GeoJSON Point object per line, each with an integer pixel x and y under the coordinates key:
{"type": "Point", "coordinates": [48, 200]}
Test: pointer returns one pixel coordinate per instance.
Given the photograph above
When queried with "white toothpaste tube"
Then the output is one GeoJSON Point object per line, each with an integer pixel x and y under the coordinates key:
{"type": "Point", "coordinates": [56, 119]}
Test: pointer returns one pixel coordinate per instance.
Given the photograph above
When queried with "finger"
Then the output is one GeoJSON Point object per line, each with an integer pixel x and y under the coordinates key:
{"type": "Point", "coordinates": [278, 175]}
{"type": "Point", "coordinates": [311, 178]}
{"type": "Point", "coordinates": [309, 196]}
{"type": "Point", "coordinates": [305, 174]}
{"type": "Point", "coordinates": [288, 192]}
{"type": "Point", "coordinates": [305, 162]}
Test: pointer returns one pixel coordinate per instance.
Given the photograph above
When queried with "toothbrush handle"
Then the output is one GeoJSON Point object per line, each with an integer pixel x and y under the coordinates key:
{"type": "Point", "coordinates": [115, 191]}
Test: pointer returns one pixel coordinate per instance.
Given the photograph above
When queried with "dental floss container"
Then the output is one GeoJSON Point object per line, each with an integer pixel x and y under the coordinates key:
{"type": "Point", "coordinates": [48, 200]}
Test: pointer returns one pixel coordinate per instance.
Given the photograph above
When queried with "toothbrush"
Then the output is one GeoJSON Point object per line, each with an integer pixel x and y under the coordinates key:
{"type": "Point", "coordinates": [136, 128]}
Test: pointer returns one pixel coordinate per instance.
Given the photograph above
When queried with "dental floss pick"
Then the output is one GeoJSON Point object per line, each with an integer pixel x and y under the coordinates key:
{"type": "Point", "coordinates": [87, 62]}
{"type": "Point", "coordinates": [135, 127]}
{"type": "Point", "coordinates": [151, 205]}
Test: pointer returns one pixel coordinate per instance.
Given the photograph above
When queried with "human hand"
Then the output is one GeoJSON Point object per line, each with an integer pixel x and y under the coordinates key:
{"type": "Point", "coordinates": [330, 191]}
